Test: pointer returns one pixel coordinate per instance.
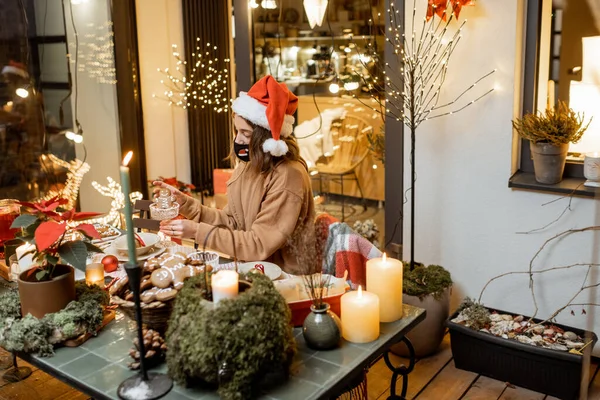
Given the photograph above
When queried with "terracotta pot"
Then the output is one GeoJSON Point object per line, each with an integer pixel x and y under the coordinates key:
{"type": "Point", "coordinates": [41, 298]}
{"type": "Point", "coordinates": [428, 335]}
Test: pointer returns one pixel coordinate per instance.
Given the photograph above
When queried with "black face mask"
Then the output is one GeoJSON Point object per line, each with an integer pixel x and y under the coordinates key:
{"type": "Point", "coordinates": [242, 151]}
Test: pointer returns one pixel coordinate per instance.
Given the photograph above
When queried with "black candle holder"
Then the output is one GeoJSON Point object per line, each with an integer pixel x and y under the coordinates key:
{"type": "Point", "coordinates": [16, 373]}
{"type": "Point", "coordinates": [150, 385]}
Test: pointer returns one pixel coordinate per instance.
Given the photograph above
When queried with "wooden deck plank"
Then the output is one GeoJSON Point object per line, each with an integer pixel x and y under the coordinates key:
{"type": "Point", "coordinates": [379, 377]}
{"type": "Point", "coordinates": [519, 393]}
{"type": "Point", "coordinates": [485, 388]}
{"type": "Point", "coordinates": [450, 384]}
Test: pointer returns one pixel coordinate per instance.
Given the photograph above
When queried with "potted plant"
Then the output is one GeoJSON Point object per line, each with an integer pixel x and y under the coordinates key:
{"type": "Point", "coordinates": [50, 285]}
{"type": "Point", "coordinates": [428, 288]}
{"type": "Point", "coordinates": [549, 134]}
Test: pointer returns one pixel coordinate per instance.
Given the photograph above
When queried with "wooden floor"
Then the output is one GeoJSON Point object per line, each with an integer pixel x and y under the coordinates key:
{"type": "Point", "coordinates": [434, 378]}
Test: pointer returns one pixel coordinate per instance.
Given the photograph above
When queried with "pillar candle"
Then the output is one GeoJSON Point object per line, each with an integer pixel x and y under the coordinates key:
{"type": "Point", "coordinates": [360, 316]}
{"type": "Point", "coordinates": [94, 274]}
{"type": "Point", "coordinates": [384, 278]}
{"type": "Point", "coordinates": [25, 260]}
{"type": "Point", "coordinates": [225, 285]}
{"type": "Point", "coordinates": [128, 212]}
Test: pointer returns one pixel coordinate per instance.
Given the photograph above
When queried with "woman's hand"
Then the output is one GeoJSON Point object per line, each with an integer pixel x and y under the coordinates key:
{"type": "Point", "coordinates": [179, 196]}
{"type": "Point", "coordinates": [179, 228]}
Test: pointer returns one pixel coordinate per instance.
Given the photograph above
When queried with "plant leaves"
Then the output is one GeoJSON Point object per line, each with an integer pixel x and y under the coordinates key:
{"type": "Point", "coordinates": [93, 248]}
{"type": "Point", "coordinates": [52, 259]}
{"type": "Point", "coordinates": [74, 253]}
{"type": "Point", "coordinates": [41, 275]}
{"type": "Point", "coordinates": [85, 215]}
{"type": "Point", "coordinates": [23, 221]}
{"type": "Point", "coordinates": [89, 231]}
{"type": "Point", "coordinates": [48, 233]}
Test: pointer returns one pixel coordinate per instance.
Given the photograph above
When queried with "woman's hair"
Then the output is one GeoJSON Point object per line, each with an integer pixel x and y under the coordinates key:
{"type": "Point", "coordinates": [262, 162]}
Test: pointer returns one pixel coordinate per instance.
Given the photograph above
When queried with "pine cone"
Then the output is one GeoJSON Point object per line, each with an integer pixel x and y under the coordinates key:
{"type": "Point", "coordinates": [155, 348]}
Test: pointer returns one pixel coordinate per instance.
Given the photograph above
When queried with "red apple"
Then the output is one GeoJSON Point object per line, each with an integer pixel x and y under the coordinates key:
{"type": "Point", "coordinates": [111, 263]}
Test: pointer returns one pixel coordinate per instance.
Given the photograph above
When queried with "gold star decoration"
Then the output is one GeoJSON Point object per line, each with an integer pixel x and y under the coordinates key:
{"type": "Point", "coordinates": [439, 7]}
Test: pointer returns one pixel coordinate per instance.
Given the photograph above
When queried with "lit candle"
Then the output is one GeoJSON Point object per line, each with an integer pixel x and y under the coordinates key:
{"type": "Point", "coordinates": [128, 212]}
{"type": "Point", "coordinates": [225, 285]}
{"type": "Point", "coordinates": [25, 260]}
{"type": "Point", "coordinates": [384, 278]}
{"type": "Point", "coordinates": [360, 316]}
{"type": "Point", "coordinates": [94, 274]}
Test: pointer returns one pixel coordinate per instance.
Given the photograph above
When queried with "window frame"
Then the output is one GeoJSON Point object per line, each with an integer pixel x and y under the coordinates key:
{"type": "Point", "coordinates": [523, 178]}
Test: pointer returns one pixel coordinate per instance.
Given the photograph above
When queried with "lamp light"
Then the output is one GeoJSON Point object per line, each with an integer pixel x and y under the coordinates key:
{"type": "Point", "coordinates": [584, 97]}
{"type": "Point", "coordinates": [22, 92]}
{"type": "Point", "coordinates": [315, 11]}
{"type": "Point", "coordinates": [269, 4]}
{"type": "Point", "coordinates": [253, 4]}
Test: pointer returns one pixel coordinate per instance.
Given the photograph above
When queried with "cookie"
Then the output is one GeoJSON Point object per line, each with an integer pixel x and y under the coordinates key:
{"type": "Point", "coordinates": [166, 294]}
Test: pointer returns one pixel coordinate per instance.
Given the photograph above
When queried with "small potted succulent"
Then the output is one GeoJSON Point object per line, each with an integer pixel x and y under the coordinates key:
{"type": "Point", "coordinates": [56, 248]}
{"type": "Point", "coordinates": [549, 134]}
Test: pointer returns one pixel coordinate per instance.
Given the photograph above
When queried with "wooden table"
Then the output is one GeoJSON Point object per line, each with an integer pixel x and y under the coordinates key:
{"type": "Point", "coordinates": [99, 365]}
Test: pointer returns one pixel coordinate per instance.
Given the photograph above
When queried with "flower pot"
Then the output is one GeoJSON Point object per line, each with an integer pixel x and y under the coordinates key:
{"type": "Point", "coordinates": [428, 335]}
{"type": "Point", "coordinates": [552, 372]}
{"type": "Point", "coordinates": [548, 161]}
{"type": "Point", "coordinates": [322, 328]}
{"type": "Point", "coordinates": [41, 298]}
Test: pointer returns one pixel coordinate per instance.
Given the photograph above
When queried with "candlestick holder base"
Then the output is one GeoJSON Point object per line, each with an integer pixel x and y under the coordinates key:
{"type": "Point", "coordinates": [592, 184]}
{"type": "Point", "coordinates": [146, 385]}
{"type": "Point", "coordinates": [137, 388]}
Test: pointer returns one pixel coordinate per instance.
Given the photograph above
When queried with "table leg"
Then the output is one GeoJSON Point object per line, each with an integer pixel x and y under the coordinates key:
{"type": "Point", "coordinates": [400, 370]}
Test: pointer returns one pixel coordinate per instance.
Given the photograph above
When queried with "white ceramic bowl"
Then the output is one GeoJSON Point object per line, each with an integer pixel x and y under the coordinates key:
{"type": "Point", "coordinates": [150, 240]}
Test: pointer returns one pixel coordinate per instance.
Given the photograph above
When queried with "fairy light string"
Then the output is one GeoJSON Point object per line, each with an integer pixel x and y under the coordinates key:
{"type": "Point", "coordinates": [207, 85]}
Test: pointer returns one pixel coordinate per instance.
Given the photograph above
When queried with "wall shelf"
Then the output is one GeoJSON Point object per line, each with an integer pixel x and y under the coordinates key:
{"type": "Point", "coordinates": [319, 38]}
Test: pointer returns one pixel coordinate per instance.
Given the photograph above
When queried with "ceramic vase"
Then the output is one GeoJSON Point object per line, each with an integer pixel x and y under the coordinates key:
{"type": "Point", "coordinates": [322, 328]}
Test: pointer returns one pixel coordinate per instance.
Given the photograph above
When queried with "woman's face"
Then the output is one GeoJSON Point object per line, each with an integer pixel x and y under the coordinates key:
{"type": "Point", "coordinates": [243, 130]}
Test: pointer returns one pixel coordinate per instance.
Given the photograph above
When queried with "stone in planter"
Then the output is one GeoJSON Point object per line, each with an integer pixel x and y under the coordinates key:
{"type": "Point", "coordinates": [41, 298]}
{"type": "Point", "coordinates": [428, 335]}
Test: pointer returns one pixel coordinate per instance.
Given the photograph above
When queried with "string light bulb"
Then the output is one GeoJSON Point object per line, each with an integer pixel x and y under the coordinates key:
{"type": "Point", "coordinates": [206, 86]}
{"type": "Point", "coordinates": [334, 88]}
{"type": "Point", "coordinates": [22, 93]}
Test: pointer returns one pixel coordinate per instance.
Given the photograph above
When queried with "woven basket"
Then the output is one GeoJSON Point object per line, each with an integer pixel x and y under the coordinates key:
{"type": "Point", "coordinates": [155, 315]}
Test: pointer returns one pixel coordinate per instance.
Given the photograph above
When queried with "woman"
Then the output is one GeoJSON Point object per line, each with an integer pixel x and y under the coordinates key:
{"type": "Point", "coordinates": [270, 202]}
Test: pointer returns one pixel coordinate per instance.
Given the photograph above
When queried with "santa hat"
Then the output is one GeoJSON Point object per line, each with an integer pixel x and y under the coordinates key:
{"type": "Point", "coordinates": [271, 105]}
{"type": "Point", "coordinates": [15, 68]}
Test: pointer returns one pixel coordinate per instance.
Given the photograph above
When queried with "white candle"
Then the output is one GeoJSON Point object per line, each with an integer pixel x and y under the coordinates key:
{"type": "Point", "coordinates": [94, 274]}
{"type": "Point", "coordinates": [591, 169]}
{"type": "Point", "coordinates": [384, 278]}
{"type": "Point", "coordinates": [224, 285]}
{"type": "Point", "coordinates": [25, 260]}
{"type": "Point", "coordinates": [360, 316]}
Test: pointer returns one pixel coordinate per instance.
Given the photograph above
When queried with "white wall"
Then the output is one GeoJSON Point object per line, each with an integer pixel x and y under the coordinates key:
{"type": "Point", "coordinates": [97, 107]}
{"type": "Point", "coordinates": [160, 25]}
{"type": "Point", "coordinates": [467, 217]}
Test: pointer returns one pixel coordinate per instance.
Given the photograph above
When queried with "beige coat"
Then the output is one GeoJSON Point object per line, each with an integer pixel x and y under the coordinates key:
{"type": "Point", "coordinates": [264, 211]}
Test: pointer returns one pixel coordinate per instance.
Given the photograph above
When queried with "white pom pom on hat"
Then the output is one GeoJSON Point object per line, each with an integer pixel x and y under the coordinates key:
{"type": "Point", "coordinates": [271, 105]}
{"type": "Point", "coordinates": [277, 148]}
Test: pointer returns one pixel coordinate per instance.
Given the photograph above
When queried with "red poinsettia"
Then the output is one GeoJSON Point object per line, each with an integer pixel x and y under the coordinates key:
{"type": "Point", "coordinates": [51, 232]}
{"type": "Point", "coordinates": [439, 7]}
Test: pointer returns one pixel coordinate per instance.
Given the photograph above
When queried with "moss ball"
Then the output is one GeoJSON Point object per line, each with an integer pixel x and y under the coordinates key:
{"type": "Point", "coordinates": [231, 345]}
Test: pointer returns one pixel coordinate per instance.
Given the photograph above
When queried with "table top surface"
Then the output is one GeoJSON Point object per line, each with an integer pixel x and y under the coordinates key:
{"type": "Point", "coordinates": [98, 366]}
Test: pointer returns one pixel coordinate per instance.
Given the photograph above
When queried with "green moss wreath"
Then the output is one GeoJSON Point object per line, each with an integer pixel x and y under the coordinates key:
{"type": "Point", "coordinates": [233, 345]}
{"type": "Point", "coordinates": [32, 335]}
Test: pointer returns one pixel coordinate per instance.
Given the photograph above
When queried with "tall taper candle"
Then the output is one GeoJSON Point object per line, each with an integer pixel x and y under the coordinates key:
{"type": "Point", "coordinates": [128, 212]}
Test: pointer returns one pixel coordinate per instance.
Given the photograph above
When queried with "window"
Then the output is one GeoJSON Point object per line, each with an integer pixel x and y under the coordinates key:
{"type": "Point", "coordinates": [562, 49]}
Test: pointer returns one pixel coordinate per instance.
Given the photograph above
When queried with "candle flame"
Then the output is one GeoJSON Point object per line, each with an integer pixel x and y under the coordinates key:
{"type": "Point", "coordinates": [384, 257]}
{"type": "Point", "coordinates": [127, 158]}
{"type": "Point", "coordinates": [359, 291]}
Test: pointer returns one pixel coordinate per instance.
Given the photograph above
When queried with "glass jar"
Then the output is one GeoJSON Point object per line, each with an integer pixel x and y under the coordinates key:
{"type": "Point", "coordinates": [9, 211]}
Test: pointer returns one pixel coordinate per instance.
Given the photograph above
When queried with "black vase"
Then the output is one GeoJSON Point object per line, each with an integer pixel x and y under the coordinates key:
{"type": "Point", "coordinates": [322, 329]}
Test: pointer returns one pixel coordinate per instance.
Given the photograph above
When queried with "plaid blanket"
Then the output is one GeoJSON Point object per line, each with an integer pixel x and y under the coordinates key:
{"type": "Point", "coordinates": [344, 250]}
